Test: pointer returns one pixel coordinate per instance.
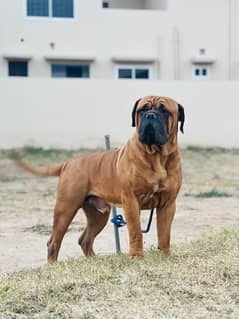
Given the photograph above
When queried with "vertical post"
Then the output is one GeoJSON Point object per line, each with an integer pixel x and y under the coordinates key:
{"type": "Point", "coordinates": [114, 212]}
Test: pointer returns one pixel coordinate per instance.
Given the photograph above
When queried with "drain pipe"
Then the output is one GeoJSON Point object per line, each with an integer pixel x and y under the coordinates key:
{"type": "Point", "coordinates": [176, 53]}
{"type": "Point", "coordinates": [231, 39]}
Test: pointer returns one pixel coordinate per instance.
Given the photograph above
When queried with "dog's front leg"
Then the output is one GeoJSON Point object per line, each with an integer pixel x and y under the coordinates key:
{"type": "Point", "coordinates": [132, 215]}
{"type": "Point", "coordinates": [165, 215]}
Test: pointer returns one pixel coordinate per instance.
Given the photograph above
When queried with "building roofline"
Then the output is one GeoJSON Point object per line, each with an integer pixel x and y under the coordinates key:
{"type": "Point", "coordinates": [69, 57]}
{"type": "Point", "coordinates": [17, 56]}
{"type": "Point", "coordinates": [134, 58]}
{"type": "Point", "coordinates": [203, 60]}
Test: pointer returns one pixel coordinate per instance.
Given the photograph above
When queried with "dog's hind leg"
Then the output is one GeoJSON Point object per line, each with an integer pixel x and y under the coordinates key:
{"type": "Point", "coordinates": [96, 221]}
{"type": "Point", "coordinates": [62, 219]}
{"type": "Point", "coordinates": [69, 200]}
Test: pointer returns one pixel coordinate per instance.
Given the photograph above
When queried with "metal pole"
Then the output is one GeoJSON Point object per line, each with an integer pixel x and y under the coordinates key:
{"type": "Point", "coordinates": [114, 212]}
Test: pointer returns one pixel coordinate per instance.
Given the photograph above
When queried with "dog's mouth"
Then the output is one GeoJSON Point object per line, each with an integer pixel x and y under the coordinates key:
{"type": "Point", "coordinates": [152, 131]}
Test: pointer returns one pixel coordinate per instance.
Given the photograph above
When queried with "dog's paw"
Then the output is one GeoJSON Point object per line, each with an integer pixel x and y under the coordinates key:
{"type": "Point", "coordinates": [136, 256]}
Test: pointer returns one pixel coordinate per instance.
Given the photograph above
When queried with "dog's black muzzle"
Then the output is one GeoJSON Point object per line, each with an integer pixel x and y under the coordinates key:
{"type": "Point", "coordinates": [152, 129]}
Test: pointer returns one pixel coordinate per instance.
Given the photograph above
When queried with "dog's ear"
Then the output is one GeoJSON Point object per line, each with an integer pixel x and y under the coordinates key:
{"type": "Point", "coordinates": [181, 116]}
{"type": "Point", "coordinates": [133, 113]}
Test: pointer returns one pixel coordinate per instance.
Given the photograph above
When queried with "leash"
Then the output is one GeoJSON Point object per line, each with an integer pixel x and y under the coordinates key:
{"type": "Point", "coordinates": [147, 229]}
{"type": "Point", "coordinates": [118, 221]}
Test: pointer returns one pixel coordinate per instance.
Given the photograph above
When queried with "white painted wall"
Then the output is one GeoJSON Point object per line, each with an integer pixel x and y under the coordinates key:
{"type": "Point", "coordinates": [156, 4]}
{"type": "Point", "coordinates": [77, 113]}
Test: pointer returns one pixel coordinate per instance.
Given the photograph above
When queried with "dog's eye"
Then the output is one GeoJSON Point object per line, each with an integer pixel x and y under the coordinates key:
{"type": "Point", "coordinates": [164, 112]}
{"type": "Point", "coordinates": [143, 109]}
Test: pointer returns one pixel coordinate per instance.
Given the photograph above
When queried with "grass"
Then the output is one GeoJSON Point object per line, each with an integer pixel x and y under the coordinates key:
{"type": "Point", "coordinates": [42, 156]}
{"type": "Point", "coordinates": [214, 193]}
{"type": "Point", "coordinates": [199, 280]}
{"type": "Point", "coordinates": [209, 171]}
{"type": "Point", "coordinates": [211, 149]}
{"type": "Point", "coordinates": [43, 229]}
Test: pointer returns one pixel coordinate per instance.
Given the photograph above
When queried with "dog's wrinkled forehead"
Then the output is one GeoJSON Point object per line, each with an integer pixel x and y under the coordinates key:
{"type": "Point", "coordinates": [154, 102]}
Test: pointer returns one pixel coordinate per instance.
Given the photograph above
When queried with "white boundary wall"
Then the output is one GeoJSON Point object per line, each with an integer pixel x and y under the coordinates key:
{"type": "Point", "coordinates": [74, 113]}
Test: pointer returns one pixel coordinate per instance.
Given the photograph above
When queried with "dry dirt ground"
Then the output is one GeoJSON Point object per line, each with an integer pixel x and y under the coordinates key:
{"type": "Point", "coordinates": [208, 200]}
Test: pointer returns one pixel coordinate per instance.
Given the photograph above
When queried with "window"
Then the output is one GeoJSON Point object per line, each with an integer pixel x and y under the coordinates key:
{"type": "Point", "coordinates": [136, 4]}
{"type": "Point", "coordinates": [105, 4]}
{"type": "Point", "coordinates": [204, 72]}
{"type": "Point", "coordinates": [125, 73]}
{"type": "Point", "coordinates": [70, 70]}
{"type": "Point", "coordinates": [133, 72]}
{"type": "Point", "coordinates": [141, 73]}
{"type": "Point", "coordinates": [17, 68]}
{"type": "Point", "coordinates": [62, 8]}
{"type": "Point", "coordinates": [39, 8]}
{"type": "Point", "coordinates": [50, 8]}
{"type": "Point", "coordinates": [200, 72]}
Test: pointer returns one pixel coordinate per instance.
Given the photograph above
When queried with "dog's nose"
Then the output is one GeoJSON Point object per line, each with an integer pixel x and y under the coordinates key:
{"type": "Point", "coordinates": [150, 115]}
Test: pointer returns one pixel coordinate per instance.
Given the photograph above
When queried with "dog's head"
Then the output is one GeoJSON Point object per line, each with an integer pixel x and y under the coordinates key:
{"type": "Point", "coordinates": [156, 120]}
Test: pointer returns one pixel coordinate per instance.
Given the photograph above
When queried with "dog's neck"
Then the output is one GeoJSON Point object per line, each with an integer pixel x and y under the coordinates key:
{"type": "Point", "coordinates": [150, 157]}
{"type": "Point", "coordinates": [155, 150]}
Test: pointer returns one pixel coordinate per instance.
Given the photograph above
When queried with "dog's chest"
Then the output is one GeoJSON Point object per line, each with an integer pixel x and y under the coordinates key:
{"type": "Point", "coordinates": [149, 185]}
{"type": "Point", "coordinates": [149, 197]}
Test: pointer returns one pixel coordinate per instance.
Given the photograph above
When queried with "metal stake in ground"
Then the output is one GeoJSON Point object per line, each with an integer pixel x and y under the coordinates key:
{"type": "Point", "coordinates": [114, 212]}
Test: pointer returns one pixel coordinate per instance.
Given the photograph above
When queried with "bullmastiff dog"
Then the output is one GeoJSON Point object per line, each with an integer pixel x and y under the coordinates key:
{"type": "Point", "coordinates": [145, 173]}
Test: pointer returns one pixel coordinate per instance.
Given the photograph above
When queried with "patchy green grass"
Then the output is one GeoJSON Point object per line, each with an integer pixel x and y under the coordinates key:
{"type": "Point", "coordinates": [210, 168]}
{"type": "Point", "coordinates": [211, 149]}
{"type": "Point", "coordinates": [199, 280]}
{"type": "Point", "coordinates": [7, 179]}
{"type": "Point", "coordinates": [43, 229]}
{"type": "Point", "coordinates": [42, 156]}
{"type": "Point", "coordinates": [40, 229]}
{"type": "Point", "coordinates": [214, 193]}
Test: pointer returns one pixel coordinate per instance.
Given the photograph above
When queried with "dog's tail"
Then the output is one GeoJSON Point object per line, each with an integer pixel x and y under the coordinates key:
{"type": "Point", "coordinates": [51, 170]}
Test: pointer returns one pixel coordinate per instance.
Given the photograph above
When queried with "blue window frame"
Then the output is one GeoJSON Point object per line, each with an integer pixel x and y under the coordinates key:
{"type": "Point", "coordinates": [70, 70]}
{"type": "Point", "coordinates": [200, 72]}
{"type": "Point", "coordinates": [17, 68]}
{"type": "Point", "coordinates": [38, 8]}
{"type": "Point", "coordinates": [125, 73]}
{"type": "Point", "coordinates": [197, 72]}
{"type": "Point", "coordinates": [50, 8]}
{"type": "Point", "coordinates": [62, 8]}
{"type": "Point", "coordinates": [204, 72]}
{"type": "Point", "coordinates": [105, 4]}
{"type": "Point", "coordinates": [133, 72]}
{"type": "Point", "coordinates": [141, 73]}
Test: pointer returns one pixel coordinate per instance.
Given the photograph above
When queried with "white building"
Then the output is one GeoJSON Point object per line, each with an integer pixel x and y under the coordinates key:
{"type": "Point", "coordinates": [156, 39]}
{"type": "Point", "coordinates": [145, 44]}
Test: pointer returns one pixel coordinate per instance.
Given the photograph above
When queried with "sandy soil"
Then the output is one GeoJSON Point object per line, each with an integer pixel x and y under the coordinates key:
{"type": "Point", "coordinates": [27, 203]}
